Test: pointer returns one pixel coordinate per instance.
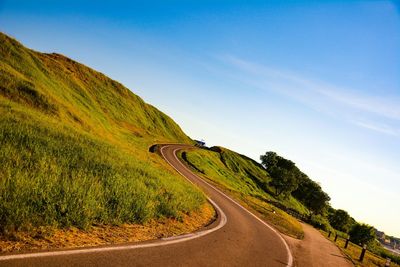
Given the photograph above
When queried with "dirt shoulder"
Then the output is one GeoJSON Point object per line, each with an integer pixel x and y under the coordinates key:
{"type": "Point", "coordinates": [46, 239]}
{"type": "Point", "coordinates": [316, 250]}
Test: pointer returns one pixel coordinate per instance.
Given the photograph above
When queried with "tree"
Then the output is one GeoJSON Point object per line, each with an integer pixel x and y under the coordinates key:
{"type": "Point", "coordinates": [317, 201]}
{"type": "Point", "coordinates": [362, 234]}
{"type": "Point", "coordinates": [282, 180]}
{"type": "Point", "coordinates": [340, 220]}
{"type": "Point", "coordinates": [311, 195]}
{"type": "Point", "coordinates": [269, 160]}
{"type": "Point", "coordinates": [288, 179]}
{"type": "Point", "coordinates": [283, 172]}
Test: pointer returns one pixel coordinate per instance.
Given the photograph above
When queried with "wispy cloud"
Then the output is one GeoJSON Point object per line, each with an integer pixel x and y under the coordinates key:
{"type": "Point", "coordinates": [378, 128]}
{"type": "Point", "coordinates": [322, 96]}
{"type": "Point", "coordinates": [388, 107]}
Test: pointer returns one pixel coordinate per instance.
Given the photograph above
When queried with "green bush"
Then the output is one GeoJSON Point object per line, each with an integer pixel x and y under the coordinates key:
{"type": "Point", "coordinates": [320, 222]}
{"type": "Point", "coordinates": [386, 254]}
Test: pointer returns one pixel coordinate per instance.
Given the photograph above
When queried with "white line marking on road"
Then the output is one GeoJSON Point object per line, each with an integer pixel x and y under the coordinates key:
{"type": "Point", "coordinates": [163, 242]}
{"type": "Point", "coordinates": [290, 257]}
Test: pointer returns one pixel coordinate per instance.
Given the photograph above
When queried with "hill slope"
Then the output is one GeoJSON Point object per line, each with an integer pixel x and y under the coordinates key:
{"type": "Point", "coordinates": [248, 181]}
{"type": "Point", "coordinates": [74, 147]}
{"type": "Point", "coordinates": [62, 88]}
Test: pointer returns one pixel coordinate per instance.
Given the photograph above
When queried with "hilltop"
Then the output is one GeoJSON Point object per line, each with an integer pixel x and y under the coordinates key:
{"type": "Point", "coordinates": [79, 96]}
{"type": "Point", "coordinates": [74, 148]}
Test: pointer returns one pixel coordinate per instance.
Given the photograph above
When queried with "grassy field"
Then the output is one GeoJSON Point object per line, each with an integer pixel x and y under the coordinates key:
{"type": "Point", "coordinates": [248, 181]}
{"type": "Point", "coordinates": [353, 252]}
{"type": "Point", "coordinates": [74, 148]}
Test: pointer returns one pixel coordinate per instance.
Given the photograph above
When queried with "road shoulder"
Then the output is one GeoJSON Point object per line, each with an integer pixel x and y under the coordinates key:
{"type": "Point", "coordinates": [316, 250]}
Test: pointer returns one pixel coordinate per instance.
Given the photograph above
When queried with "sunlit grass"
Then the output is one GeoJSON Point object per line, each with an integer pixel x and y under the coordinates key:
{"type": "Point", "coordinates": [63, 178]}
{"type": "Point", "coordinates": [74, 148]}
{"type": "Point", "coordinates": [246, 180]}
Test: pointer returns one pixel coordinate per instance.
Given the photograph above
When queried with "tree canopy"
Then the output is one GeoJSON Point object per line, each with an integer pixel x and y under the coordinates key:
{"type": "Point", "coordinates": [362, 234]}
{"type": "Point", "coordinates": [340, 220]}
{"type": "Point", "coordinates": [311, 195]}
{"type": "Point", "coordinates": [283, 172]}
{"type": "Point", "coordinates": [288, 179]}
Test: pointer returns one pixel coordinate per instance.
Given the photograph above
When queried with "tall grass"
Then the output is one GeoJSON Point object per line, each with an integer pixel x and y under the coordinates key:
{"type": "Point", "coordinates": [58, 177]}
{"type": "Point", "coordinates": [73, 148]}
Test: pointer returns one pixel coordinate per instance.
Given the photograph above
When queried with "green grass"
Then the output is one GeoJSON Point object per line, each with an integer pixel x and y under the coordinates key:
{"type": "Point", "coordinates": [353, 252]}
{"type": "Point", "coordinates": [80, 97]}
{"type": "Point", "coordinates": [74, 148]}
{"type": "Point", "coordinates": [247, 181]}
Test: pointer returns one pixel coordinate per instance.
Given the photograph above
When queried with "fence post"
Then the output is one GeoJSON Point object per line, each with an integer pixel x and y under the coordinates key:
{"type": "Point", "coordinates": [335, 237]}
{"type": "Point", "coordinates": [329, 235]}
{"type": "Point", "coordinates": [387, 264]}
{"type": "Point", "coordinates": [347, 243]}
{"type": "Point", "coordinates": [363, 252]}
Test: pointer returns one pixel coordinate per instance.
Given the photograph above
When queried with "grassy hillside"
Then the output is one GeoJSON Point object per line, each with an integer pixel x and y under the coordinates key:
{"type": "Point", "coordinates": [248, 181]}
{"type": "Point", "coordinates": [74, 147]}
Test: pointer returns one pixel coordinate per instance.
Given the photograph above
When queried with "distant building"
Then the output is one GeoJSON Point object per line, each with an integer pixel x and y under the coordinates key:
{"type": "Point", "coordinates": [201, 143]}
{"type": "Point", "coordinates": [380, 235]}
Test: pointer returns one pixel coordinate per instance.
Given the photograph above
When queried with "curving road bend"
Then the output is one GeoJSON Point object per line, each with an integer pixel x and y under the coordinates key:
{"type": "Point", "coordinates": [236, 238]}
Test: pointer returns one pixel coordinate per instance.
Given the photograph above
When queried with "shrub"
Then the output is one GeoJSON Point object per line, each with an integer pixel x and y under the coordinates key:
{"type": "Point", "coordinates": [320, 222]}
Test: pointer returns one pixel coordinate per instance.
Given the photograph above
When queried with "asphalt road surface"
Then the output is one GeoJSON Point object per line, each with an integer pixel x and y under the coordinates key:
{"type": "Point", "coordinates": [236, 238]}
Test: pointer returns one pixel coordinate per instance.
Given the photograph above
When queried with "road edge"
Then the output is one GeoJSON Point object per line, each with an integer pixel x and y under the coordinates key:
{"type": "Point", "coordinates": [146, 244]}
{"type": "Point", "coordinates": [289, 252]}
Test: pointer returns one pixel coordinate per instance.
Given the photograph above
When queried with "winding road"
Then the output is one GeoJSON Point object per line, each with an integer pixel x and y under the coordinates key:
{"type": "Point", "coordinates": [236, 238]}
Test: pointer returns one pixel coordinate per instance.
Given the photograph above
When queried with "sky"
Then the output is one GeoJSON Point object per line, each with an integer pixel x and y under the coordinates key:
{"type": "Point", "coordinates": [318, 82]}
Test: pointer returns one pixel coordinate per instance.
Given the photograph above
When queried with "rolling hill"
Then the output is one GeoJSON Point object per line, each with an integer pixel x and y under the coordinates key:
{"type": "Point", "coordinates": [74, 148]}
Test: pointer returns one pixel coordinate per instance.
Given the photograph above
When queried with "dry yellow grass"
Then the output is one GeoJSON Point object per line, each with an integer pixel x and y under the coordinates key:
{"type": "Point", "coordinates": [353, 252]}
{"type": "Point", "coordinates": [108, 234]}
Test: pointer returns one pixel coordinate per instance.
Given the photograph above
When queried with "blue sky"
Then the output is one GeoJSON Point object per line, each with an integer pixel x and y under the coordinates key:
{"type": "Point", "coordinates": [317, 82]}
